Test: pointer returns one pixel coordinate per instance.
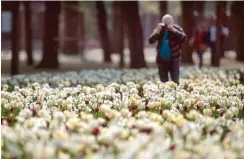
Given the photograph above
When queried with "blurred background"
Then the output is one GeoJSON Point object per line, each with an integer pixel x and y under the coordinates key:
{"type": "Point", "coordinates": [74, 35]}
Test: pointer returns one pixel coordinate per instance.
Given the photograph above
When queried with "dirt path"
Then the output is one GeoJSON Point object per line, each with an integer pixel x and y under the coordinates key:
{"type": "Point", "coordinates": [93, 60]}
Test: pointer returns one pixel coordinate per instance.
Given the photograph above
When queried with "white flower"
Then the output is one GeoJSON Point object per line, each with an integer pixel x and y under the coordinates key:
{"type": "Point", "coordinates": [166, 113]}
{"type": "Point", "coordinates": [229, 114]}
{"type": "Point", "coordinates": [25, 113]}
{"type": "Point", "coordinates": [59, 116]}
{"type": "Point", "coordinates": [142, 114]}
{"type": "Point", "coordinates": [200, 103]}
{"type": "Point", "coordinates": [187, 103]}
{"type": "Point", "coordinates": [106, 115]}
{"type": "Point", "coordinates": [193, 114]}
{"type": "Point", "coordinates": [207, 112]}
{"type": "Point", "coordinates": [100, 88]}
{"type": "Point", "coordinates": [105, 108]}
{"type": "Point", "coordinates": [133, 91]}
{"type": "Point", "coordinates": [123, 89]}
{"type": "Point", "coordinates": [63, 155]}
{"type": "Point", "coordinates": [125, 113]}
{"type": "Point", "coordinates": [234, 110]}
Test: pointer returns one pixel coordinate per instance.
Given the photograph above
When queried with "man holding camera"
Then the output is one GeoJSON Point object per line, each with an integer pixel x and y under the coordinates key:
{"type": "Point", "coordinates": [170, 37]}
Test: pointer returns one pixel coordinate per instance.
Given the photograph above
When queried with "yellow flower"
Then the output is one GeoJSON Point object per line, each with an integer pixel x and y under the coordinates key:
{"type": "Point", "coordinates": [124, 134]}
{"type": "Point", "coordinates": [81, 147]}
{"type": "Point", "coordinates": [158, 104]}
{"type": "Point", "coordinates": [60, 135]}
{"type": "Point", "coordinates": [180, 121]}
{"type": "Point", "coordinates": [171, 84]}
{"type": "Point", "coordinates": [132, 100]}
{"type": "Point", "coordinates": [193, 101]}
{"type": "Point", "coordinates": [73, 123]}
{"type": "Point", "coordinates": [182, 155]}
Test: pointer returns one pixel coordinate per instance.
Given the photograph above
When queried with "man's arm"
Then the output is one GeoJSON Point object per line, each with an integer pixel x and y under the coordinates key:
{"type": "Point", "coordinates": [179, 33]}
{"type": "Point", "coordinates": [155, 35]}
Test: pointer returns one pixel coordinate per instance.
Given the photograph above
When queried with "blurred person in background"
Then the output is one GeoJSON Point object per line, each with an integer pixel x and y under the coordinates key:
{"type": "Point", "coordinates": [200, 41]}
{"type": "Point", "coordinates": [213, 36]}
{"type": "Point", "coordinates": [169, 37]}
{"type": "Point", "coordinates": [225, 33]}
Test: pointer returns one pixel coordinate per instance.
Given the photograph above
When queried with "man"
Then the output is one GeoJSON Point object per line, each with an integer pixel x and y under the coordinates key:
{"type": "Point", "coordinates": [169, 37]}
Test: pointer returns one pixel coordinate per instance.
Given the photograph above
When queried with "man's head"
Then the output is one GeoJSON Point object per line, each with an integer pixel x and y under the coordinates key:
{"type": "Point", "coordinates": [168, 19]}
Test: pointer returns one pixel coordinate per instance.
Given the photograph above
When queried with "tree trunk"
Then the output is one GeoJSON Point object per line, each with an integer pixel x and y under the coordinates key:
{"type": "Point", "coordinates": [187, 24]}
{"type": "Point", "coordinates": [118, 25]}
{"type": "Point", "coordinates": [71, 21]}
{"type": "Point", "coordinates": [15, 38]}
{"type": "Point", "coordinates": [220, 9]}
{"type": "Point", "coordinates": [132, 20]}
{"type": "Point", "coordinates": [238, 25]}
{"type": "Point", "coordinates": [162, 8]}
{"type": "Point", "coordinates": [28, 33]}
{"type": "Point", "coordinates": [103, 31]}
{"type": "Point", "coordinates": [50, 40]}
{"type": "Point", "coordinates": [81, 31]}
{"type": "Point", "coordinates": [200, 9]}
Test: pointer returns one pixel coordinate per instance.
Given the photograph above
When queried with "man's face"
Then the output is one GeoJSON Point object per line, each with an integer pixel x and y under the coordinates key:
{"type": "Point", "coordinates": [168, 20]}
{"type": "Point", "coordinates": [171, 22]}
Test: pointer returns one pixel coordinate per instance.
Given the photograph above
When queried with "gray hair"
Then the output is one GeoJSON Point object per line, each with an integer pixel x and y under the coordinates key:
{"type": "Point", "coordinates": [168, 19]}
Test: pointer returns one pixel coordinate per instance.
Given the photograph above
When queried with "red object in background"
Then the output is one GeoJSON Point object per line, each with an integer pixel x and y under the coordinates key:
{"type": "Point", "coordinates": [198, 38]}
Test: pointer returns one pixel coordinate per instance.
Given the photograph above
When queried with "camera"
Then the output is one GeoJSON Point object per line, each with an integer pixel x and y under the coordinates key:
{"type": "Point", "coordinates": [163, 24]}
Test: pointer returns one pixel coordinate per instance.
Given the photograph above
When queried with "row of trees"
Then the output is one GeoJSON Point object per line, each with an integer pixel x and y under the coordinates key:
{"type": "Point", "coordinates": [126, 22]}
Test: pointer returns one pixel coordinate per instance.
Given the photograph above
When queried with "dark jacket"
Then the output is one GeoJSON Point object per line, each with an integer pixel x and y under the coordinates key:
{"type": "Point", "coordinates": [176, 38]}
{"type": "Point", "coordinates": [206, 38]}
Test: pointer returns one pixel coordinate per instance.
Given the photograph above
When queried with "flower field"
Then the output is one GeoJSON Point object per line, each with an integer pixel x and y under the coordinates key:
{"type": "Point", "coordinates": [123, 114]}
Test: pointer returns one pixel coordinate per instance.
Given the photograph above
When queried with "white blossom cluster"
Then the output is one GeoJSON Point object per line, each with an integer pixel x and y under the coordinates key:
{"type": "Point", "coordinates": [123, 114]}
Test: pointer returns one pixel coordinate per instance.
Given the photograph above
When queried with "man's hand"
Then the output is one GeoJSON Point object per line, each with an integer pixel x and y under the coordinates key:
{"type": "Point", "coordinates": [155, 35]}
{"type": "Point", "coordinates": [158, 29]}
{"type": "Point", "coordinates": [171, 28]}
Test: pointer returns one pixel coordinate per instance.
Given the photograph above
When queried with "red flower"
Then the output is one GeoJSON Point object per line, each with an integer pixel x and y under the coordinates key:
{"type": "Point", "coordinates": [11, 120]}
{"type": "Point", "coordinates": [198, 107]}
{"type": "Point", "coordinates": [38, 102]}
{"type": "Point", "coordinates": [133, 113]}
{"type": "Point", "coordinates": [222, 113]}
{"type": "Point", "coordinates": [213, 132]}
{"type": "Point", "coordinates": [147, 108]}
{"type": "Point", "coordinates": [146, 130]}
{"type": "Point", "coordinates": [96, 109]}
{"type": "Point", "coordinates": [172, 147]}
{"type": "Point", "coordinates": [133, 126]}
{"type": "Point", "coordinates": [134, 107]}
{"type": "Point", "coordinates": [95, 131]}
{"type": "Point", "coordinates": [161, 111]}
{"type": "Point", "coordinates": [129, 108]}
{"type": "Point", "coordinates": [104, 125]}
{"type": "Point", "coordinates": [34, 112]}
{"type": "Point", "coordinates": [185, 108]}
{"type": "Point", "coordinates": [217, 106]}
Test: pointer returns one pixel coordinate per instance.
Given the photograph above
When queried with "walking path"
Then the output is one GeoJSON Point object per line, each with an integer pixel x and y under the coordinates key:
{"type": "Point", "coordinates": [93, 59]}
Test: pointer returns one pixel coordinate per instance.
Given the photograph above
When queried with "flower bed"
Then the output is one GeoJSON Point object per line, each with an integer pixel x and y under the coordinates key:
{"type": "Point", "coordinates": [123, 114]}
